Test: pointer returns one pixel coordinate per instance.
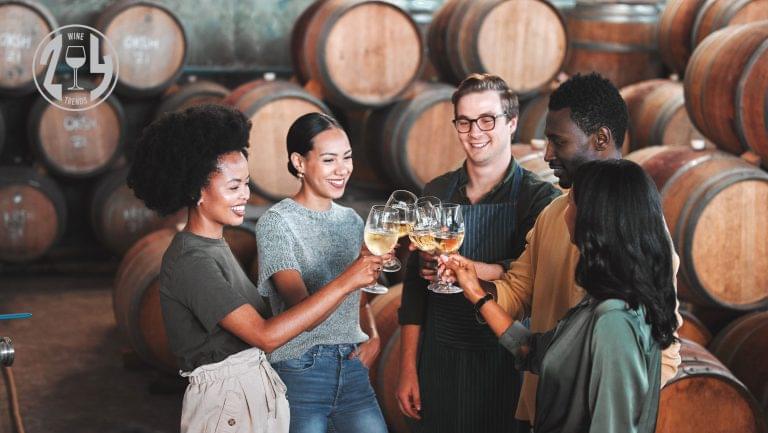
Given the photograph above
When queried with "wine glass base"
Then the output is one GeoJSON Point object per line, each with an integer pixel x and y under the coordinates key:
{"type": "Point", "coordinates": [75, 88]}
{"type": "Point", "coordinates": [377, 289]}
{"type": "Point", "coordinates": [393, 265]}
{"type": "Point", "coordinates": [445, 289]}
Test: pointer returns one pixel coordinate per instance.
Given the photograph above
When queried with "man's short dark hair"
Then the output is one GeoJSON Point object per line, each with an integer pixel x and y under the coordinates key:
{"type": "Point", "coordinates": [475, 83]}
{"type": "Point", "coordinates": [594, 102]}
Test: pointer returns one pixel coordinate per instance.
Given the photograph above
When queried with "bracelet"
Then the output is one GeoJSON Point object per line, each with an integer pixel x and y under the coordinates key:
{"type": "Point", "coordinates": [478, 305]}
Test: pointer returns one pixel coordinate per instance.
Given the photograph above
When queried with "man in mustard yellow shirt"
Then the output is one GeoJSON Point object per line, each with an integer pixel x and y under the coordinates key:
{"type": "Point", "coordinates": [587, 120]}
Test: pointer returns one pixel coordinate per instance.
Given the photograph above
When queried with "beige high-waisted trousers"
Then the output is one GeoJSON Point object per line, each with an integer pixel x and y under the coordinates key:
{"type": "Point", "coordinates": [241, 394]}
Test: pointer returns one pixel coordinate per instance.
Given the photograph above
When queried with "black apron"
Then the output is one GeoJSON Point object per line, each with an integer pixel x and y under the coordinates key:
{"type": "Point", "coordinates": [467, 380]}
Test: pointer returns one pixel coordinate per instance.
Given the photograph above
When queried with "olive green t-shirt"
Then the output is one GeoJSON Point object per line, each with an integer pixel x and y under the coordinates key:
{"type": "Point", "coordinates": [200, 283]}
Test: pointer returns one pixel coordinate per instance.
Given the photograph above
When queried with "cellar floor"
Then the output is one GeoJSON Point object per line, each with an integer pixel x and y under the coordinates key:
{"type": "Point", "coordinates": [69, 367]}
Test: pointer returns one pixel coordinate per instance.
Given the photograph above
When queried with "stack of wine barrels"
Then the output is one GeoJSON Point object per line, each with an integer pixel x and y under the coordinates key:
{"type": "Point", "coordinates": [725, 84]}
{"type": "Point", "coordinates": [714, 205]}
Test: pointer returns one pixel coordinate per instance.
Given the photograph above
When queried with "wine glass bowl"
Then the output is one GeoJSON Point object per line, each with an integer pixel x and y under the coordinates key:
{"type": "Point", "coordinates": [448, 236]}
{"type": "Point", "coordinates": [382, 229]}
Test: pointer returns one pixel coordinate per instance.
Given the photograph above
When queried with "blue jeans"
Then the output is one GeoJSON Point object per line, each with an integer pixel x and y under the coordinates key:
{"type": "Point", "coordinates": [324, 384]}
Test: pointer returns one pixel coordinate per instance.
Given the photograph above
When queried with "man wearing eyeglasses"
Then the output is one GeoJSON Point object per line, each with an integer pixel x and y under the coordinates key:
{"type": "Point", "coordinates": [460, 379]}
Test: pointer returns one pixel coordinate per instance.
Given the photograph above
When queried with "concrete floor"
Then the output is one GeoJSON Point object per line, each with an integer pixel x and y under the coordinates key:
{"type": "Point", "coordinates": [69, 364]}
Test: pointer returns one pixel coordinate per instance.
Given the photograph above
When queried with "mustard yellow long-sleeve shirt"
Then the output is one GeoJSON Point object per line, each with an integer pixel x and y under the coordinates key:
{"type": "Point", "coordinates": [542, 282]}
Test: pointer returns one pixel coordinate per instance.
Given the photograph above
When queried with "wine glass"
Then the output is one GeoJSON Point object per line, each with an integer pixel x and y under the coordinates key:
{"type": "Point", "coordinates": [448, 236]}
{"type": "Point", "coordinates": [381, 233]}
{"type": "Point", "coordinates": [404, 202]}
{"type": "Point", "coordinates": [75, 58]}
{"type": "Point", "coordinates": [425, 224]}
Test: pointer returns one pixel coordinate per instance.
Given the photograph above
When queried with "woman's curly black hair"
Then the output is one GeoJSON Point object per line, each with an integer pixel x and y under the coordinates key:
{"type": "Point", "coordinates": [625, 251]}
{"type": "Point", "coordinates": [177, 154]}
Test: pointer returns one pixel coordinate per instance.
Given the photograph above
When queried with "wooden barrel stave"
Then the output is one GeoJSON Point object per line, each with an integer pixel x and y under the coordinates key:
{"type": "Point", "coordinates": [120, 219]}
{"type": "Point", "coordinates": [386, 385]}
{"type": "Point", "coordinates": [23, 26]}
{"type": "Point", "coordinates": [675, 28]}
{"type": "Point", "coordinates": [190, 95]}
{"type": "Point", "coordinates": [661, 119]}
{"type": "Point", "coordinates": [532, 119]}
{"type": "Point", "coordinates": [77, 144]}
{"type": "Point", "coordinates": [740, 347]}
{"type": "Point", "coordinates": [150, 42]}
{"type": "Point", "coordinates": [404, 137]}
{"type": "Point", "coordinates": [705, 396]}
{"type": "Point", "coordinates": [617, 40]}
{"type": "Point", "coordinates": [714, 15]}
{"type": "Point", "coordinates": [32, 214]}
{"type": "Point", "coordinates": [706, 193]}
{"type": "Point", "coordinates": [693, 329]}
{"type": "Point", "coordinates": [272, 106]}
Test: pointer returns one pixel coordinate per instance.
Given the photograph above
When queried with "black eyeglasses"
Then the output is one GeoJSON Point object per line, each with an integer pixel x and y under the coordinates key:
{"type": "Point", "coordinates": [485, 123]}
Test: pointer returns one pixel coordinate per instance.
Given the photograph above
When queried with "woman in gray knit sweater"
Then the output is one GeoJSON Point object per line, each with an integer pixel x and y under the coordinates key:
{"type": "Point", "coordinates": [306, 242]}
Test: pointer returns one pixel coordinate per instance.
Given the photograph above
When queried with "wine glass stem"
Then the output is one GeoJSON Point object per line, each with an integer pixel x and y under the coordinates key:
{"type": "Point", "coordinates": [75, 77]}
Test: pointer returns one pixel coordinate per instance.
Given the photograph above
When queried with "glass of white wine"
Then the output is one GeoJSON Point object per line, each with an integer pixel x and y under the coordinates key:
{"type": "Point", "coordinates": [404, 202]}
{"type": "Point", "coordinates": [382, 229]}
{"type": "Point", "coordinates": [425, 223]}
{"type": "Point", "coordinates": [448, 236]}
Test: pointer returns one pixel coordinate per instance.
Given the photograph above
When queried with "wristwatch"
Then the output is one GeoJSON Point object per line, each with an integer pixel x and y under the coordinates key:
{"type": "Point", "coordinates": [478, 305]}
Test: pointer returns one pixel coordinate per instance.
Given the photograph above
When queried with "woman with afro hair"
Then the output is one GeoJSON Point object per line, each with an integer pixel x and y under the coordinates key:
{"type": "Point", "coordinates": [197, 159]}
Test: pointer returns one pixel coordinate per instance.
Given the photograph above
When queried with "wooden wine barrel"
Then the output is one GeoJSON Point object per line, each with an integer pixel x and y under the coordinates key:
{"type": "Point", "coordinates": [150, 42]}
{"type": "Point", "coordinates": [77, 143]}
{"type": "Point", "coordinates": [693, 329]}
{"type": "Point", "coordinates": [23, 26]}
{"type": "Point", "coordinates": [675, 29]}
{"type": "Point", "coordinates": [522, 41]}
{"type": "Point", "coordinates": [532, 119]}
{"type": "Point", "coordinates": [119, 219]}
{"type": "Point", "coordinates": [178, 98]}
{"type": "Point", "coordinates": [617, 40]}
{"type": "Point", "coordinates": [531, 158]}
{"type": "Point", "coordinates": [412, 142]}
{"type": "Point", "coordinates": [384, 309]}
{"type": "Point", "coordinates": [705, 397]}
{"type": "Point", "coordinates": [32, 214]}
{"type": "Point", "coordinates": [715, 205]}
{"type": "Point", "coordinates": [242, 241]}
{"type": "Point", "coordinates": [272, 106]}
{"type": "Point", "coordinates": [714, 15]}
{"type": "Point", "coordinates": [634, 95]}
{"type": "Point", "coordinates": [388, 371]}
{"type": "Point", "coordinates": [359, 53]}
{"type": "Point", "coordinates": [741, 347]}
{"type": "Point", "coordinates": [725, 86]}
{"type": "Point", "coordinates": [661, 118]}
{"type": "Point", "coordinates": [136, 300]}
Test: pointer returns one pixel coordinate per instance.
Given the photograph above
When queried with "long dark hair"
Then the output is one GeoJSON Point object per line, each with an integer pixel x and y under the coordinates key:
{"type": "Point", "coordinates": [625, 250]}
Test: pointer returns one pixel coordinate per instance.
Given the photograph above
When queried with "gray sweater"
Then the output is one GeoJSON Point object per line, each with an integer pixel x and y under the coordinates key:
{"type": "Point", "coordinates": [320, 245]}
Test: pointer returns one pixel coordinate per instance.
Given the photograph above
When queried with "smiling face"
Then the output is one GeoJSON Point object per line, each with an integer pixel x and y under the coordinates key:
{"type": "Point", "coordinates": [568, 147]}
{"type": "Point", "coordinates": [327, 166]}
{"type": "Point", "coordinates": [485, 147]}
{"type": "Point", "coordinates": [222, 202]}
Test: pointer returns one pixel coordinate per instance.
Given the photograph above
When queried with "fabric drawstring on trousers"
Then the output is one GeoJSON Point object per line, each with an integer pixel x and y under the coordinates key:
{"type": "Point", "coordinates": [273, 385]}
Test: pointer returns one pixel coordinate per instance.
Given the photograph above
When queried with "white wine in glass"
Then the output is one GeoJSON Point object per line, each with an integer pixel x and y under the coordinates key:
{"type": "Point", "coordinates": [449, 235]}
{"type": "Point", "coordinates": [381, 233]}
{"type": "Point", "coordinates": [404, 202]}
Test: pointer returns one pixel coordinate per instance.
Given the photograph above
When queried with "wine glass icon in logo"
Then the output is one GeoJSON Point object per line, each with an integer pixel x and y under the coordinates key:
{"type": "Point", "coordinates": [75, 58]}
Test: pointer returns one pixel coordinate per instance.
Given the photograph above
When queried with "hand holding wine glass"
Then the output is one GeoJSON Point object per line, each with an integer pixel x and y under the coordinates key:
{"type": "Point", "coordinates": [448, 236]}
{"type": "Point", "coordinates": [382, 230]}
{"type": "Point", "coordinates": [404, 203]}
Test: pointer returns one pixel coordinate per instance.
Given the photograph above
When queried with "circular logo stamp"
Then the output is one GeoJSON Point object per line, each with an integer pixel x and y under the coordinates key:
{"type": "Point", "coordinates": [80, 65]}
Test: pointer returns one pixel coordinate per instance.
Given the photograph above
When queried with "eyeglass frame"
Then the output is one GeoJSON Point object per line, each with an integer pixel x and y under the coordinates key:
{"type": "Point", "coordinates": [471, 121]}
